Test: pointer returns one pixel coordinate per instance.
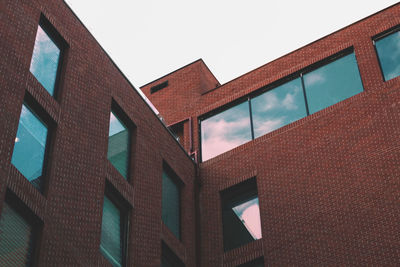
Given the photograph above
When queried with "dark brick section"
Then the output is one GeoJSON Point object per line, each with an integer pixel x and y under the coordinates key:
{"type": "Point", "coordinates": [71, 208]}
{"type": "Point", "coordinates": [328, 184]}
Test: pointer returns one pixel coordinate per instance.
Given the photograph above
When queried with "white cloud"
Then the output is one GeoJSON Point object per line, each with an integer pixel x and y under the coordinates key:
{"type": "Point", "coordinates": [268, 126]}
{"type": "Point", "coordinates": [314, 78]}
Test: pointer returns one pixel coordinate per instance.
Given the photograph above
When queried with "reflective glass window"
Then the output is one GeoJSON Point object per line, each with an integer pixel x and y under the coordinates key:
{"type": "Point", "coordinates": [240, 215]}
{"type": "Point", "coordinates": [278, 107]}
{"type": "Point", "coordinates": [111, 245]}
{"type": "Point", "coordinates": [118, 145]}
{"type": "Point", "coordinates": [16, 239]}
{"type": "Point", "coordinates": [30, 146]}
{"type": "Point", "coordinates": [388, 49]}
{"type": "Point", "coordinates": [332, 83]}
{"type": "Point", "coordinates": [45, 60]}
{"type": "Point", "coordinates": [225, 130]}
{"type": "Point", "coordinates": [171, 202]}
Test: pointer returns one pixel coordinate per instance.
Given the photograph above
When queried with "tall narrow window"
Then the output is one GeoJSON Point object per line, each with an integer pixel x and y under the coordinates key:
{"type": "Point", "coordinates": [17, 238]}
{"type": "Point", "coordinates": [30, 146]}
{"type": "Point", "coordinates": [388, 49]}
{"type": "Point", "coordinates": [118, 145]}
{"type": "Point", "coordinates": [240, 214]}
{"type": "Point", "coordinates": [47, 56]}
{"type": "Point", "coordinates": [168, 258]}
{"type": "Point", "coordinates": [113, 233]}
{"type": "Point", "coordinates": [225, 130]}
{"type": "Point", "coordinates": [332, 83]}
{"type": "Point", "coordinates": [278, 107]}
{"type": "Point", "coordinates": [171, 201]}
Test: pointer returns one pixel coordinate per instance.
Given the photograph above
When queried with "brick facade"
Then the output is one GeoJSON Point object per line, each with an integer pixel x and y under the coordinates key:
{"type": "Point", "coordinates": [328, 184]}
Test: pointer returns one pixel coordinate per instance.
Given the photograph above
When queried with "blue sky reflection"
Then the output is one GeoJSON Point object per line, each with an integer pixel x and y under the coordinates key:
{"type": "Point", "coordinates": [389, 55]}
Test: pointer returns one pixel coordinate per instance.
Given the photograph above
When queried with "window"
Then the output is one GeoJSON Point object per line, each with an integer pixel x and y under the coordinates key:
{"type": "Point", "coordinates": [118, 145]}
{"type": "Point", "coordinates": [30, 147]}
{"type": "Point", "coordinates": [290, 99]}
{"type": "Point", "coordinates": [256, 263]}
{"type": "Point", "coordinates": [171, 197]}
{"type": "Point", "coordinates": [388, 50]}
{"type": "Point", "coordinates": [240, 214]}
{"type": "Point", "coordinates": [47, 56]}
{"type": "Point", "coordinates": [168, 258]}
{"type": "Point", "coordinates": [332, 83]}
{"type": "Point", "coordinates": [225, 130]}
{"type": "Point", "coordinates": [17, 236]}
{"type": "Point", "coordinates": [114, 232]}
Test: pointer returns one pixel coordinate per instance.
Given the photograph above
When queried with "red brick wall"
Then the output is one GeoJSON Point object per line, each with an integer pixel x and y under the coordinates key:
{"type": "Point", "coordinates": [329, 183]}
{"type": "Point", "coordinates": [71, 209]}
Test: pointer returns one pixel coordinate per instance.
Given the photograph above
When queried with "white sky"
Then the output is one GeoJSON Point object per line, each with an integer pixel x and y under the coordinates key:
{"type": "Point", "coordinates": [150, 38]}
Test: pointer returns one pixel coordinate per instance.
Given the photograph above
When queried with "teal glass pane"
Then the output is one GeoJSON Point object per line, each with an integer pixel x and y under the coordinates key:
{"type": "Point", "coordinates": [16, 239]}
{"type": "Point", "coordinates": [45, 59]}
{"type": "Point", "coordinates": [111, 243]}
{"type": "Point", "coordinates": [388, 49]}
{"type": "Point", "coordinates": [225, 131]}
{"type": "Point", "coordinates": [278, 107]}
{"type": "Point", "coordinates": [118, 145]}
{"type": "Point", "coordinates": [171, 204]}
{"type": "Point", "coordinates": [30, 146]}
{"type": "Point", "coordinates": [332, 83]}
{"type": "Point", "coordinates": [241, 222]}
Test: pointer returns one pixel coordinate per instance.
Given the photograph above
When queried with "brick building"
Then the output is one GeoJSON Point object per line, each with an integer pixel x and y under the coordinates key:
{"type": "Point", "coordinates": [293, 163]}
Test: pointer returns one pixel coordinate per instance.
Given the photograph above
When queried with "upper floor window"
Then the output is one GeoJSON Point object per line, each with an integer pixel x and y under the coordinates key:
{"type": "Point", "coordinates": [17, 237]}
{"type": "Point", "coordinates": [388, 49]}
{"type": "Point", "coordinates": [30, 146]}
{"type": "Point", "coordinates": [171, 198]}
{"type": "Point", "coordinates": [47, 56]}
{"type": "Point", "coordinates": [240, 214]}
{"type": "Point", "coordinates": [114, 232]}
{"type": "Point", "coordinates": [118, 145]}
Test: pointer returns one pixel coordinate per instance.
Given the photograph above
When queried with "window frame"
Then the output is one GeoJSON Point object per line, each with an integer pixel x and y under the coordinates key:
{"type": "Point", "coordinates": [61, 44]}
{"type": "Point", "coordinates": [381, 36]}
{"type": "Point", "coordinates": [125, 213]}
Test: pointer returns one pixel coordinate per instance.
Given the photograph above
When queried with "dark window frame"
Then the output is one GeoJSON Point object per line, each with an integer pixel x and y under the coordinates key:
{"type": "Point", "coordinates": [180, 185]}
{"type": "Point", "coordinates": [158, 87]}
{"type": "Point", "coordinates": [41, 114]}
{"type": "Point", "coordinates": [131, 127]}
{"type": "Point", "coordinates": [12, 200]}
{"type": "Point", "coordinates": [170, 256]}
{"type": "Point", "coordinates": [60, 42]}
{"type": "Point", "coordinates": [381, 36]}
{"type": "Point", "coordinates": [125, 213]}
{"type": "Point", "coordinates": [271, 86]}
{"type": "Point", "coordinates": [253, 262]}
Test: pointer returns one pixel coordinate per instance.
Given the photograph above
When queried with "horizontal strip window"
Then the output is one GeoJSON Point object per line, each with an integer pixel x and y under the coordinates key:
{"type": "Point", "coordinates": [308, 91]}
{"type": "Point", "coordinates": [158, 87]}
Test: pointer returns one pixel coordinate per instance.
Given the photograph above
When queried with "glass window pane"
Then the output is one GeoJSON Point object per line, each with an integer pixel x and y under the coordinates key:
{"type": "Point", "coordinates": [278, 107]}
{"type": "Point", "coordinates": [332, 83]}
{"type": "Point", "coordinates": [388, 49]}
{"type": "Point", "coordinates": [171, 204]}
{"type": "Point", "coordinates": [111, 245]}
{"type": "Point", "coordinates": [225, 131]}
{"type": "Point", "coordinates": [16, 239]}
{"type": "Point", "coordinates": [45, 58]}
{"type": "Point", "coordinates": [118, 145]}
{"type": "Point", "coordinates": [30, 146]}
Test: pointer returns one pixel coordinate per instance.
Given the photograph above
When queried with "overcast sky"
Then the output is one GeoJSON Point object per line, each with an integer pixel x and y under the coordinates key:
{"type": "Point", "coordinates": [150, 38]}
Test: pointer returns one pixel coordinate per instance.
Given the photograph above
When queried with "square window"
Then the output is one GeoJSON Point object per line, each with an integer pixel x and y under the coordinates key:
{"type": "Point", "coordinates": [30, 147]}
{"type": "Point", "coordinates": [171, 197]}
{"type": "Point", "coordinates": [240, 214]}
{"type": "Point", "coordinates": [114, 232]}
{"type": "Point", "coordinates": [388, 50]}
{"type": "Point", "coordinates": [17, 235]}
{"type": "Point", "coordinates": [119, 145]}
{"type": "Point", "coordinates": [47, 56]}
{"type": "Point", "coordinates": [168, 258]}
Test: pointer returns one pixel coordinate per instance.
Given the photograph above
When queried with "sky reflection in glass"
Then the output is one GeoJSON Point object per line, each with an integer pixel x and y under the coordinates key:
{"type": "Point", "coordinates": [388, 49]}
{"type": "Point", "coordinates": [118, 145]}
{"type": "Point", "coordinates": [30, 145]}
{"type": "Point", "coordinates": [278, 107]}
{"type": "Point", "coordinates": [225, 131]}
{"type": "Point", "coordinates": [332, 83]}
{"type": "Point", "coordinates": [249, 214]}
{"type": "Point", "coordinates": [45, 58]}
